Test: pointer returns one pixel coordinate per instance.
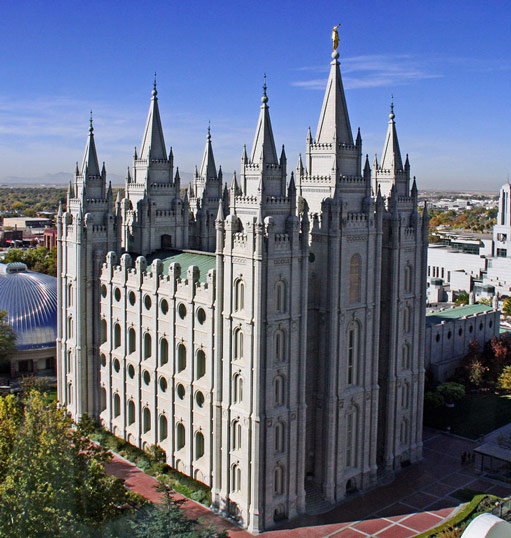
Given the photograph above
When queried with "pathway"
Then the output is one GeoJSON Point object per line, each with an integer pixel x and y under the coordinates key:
{"type": "Point", "coordinates": [417, 500]}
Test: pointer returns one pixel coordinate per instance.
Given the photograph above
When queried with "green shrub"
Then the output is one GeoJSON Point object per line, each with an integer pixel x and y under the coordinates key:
{"type": "Point", "coordinates": [433, 400]}
{"type": "Point", "coordinates": [451, 392]}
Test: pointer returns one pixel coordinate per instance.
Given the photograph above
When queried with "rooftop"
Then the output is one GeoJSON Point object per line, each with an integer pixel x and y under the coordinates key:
{"type": "Point", "coordinates": [456, 313]}
{"type": "Point", "coordinates": [203, 260]}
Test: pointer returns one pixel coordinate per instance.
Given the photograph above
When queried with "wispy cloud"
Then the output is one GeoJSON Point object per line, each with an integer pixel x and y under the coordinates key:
{"type": "Point", "coordinates": [373, 70]}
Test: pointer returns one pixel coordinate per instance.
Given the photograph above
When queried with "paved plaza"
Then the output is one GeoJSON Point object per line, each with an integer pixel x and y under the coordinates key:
{"type": "Point", "coordinates": [417, 500]}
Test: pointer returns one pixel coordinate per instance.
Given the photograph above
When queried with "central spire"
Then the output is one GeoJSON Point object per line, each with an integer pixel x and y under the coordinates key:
{"type": "Point", "coordinates": [264, 144]}
{"type": "Point", "coordinates": [208, 167]}
{"type": "Point", "coordinates": [334, 122]}
{"type": "Point", "coordinates": [153, 143]}
{"type": "Point", "coordinates": [90, 164]}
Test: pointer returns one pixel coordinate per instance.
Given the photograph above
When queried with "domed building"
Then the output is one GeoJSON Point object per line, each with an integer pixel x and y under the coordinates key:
{"type": "Point", "coordinates": [30, 300]}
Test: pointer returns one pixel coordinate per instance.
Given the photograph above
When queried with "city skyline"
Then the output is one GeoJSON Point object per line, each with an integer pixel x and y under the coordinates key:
{"type": "Point", "coordinates": [447, 69]}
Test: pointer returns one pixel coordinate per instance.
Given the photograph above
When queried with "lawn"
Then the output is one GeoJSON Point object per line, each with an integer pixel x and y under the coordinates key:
{"type": "Point", "coordinates": [475, 415]}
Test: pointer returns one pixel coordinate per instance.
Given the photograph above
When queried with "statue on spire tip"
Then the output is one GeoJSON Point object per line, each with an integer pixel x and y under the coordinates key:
{"type": "Point", "coordinates": [335, 37]}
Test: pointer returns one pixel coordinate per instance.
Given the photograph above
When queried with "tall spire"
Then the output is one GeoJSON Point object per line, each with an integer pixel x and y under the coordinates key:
{"type": "Point", "coordinates": [208, 167]}
{"type": "Point", "coordinates": [153, 143]}
{"type": "Point", "coordinates": [334, 122]}
{"type": "Point", "coordinates": [90, 157]}
{"type": "Point", "coordinates": [264, 144]}
{"type": "Point", "coordinates": [391, 156]}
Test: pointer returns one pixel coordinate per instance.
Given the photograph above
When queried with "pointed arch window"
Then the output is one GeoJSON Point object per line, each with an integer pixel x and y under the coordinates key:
{"type": "Point", "coordinates": [238, 344]}
{"type": "Point", "coordinates": [405, 352]}
{"type": "Point", "coordinates": [355, 278]}
{"type": "Point", "coordinates": [117, 405]}
{"type": "Point", "coordinates": [405, 395]}
{"type": "Point", "coordinates": [278, 481]}
{"type": "Point", "coordinates": [351, 438]}
{"type": "Point", "coordinates": [70, 327]}
{"type": "Point", "coordinates": [281, 296]}
{"type": "Point", "coordinates": [239, 295]}
{"type": "Point", "coordinates": [131, 412]}
{"type": "Point", "coordinates": [199, 445]}
{"type": "Point", "coordinates": [117, 336]}
{"type": "Point", "coordinates": [236, 435]}
{"type": "Point", "coordinates": [407, 319]}
{"type": "Point", "coordinates": [237, 388]}
{"type": "Point", "coordinates": [103, 331]}
{"type": "Point", "coordinates": [148, 345]}
{"type": "Point", "coordinates": [163, 428]}
{"type": "Point", "coordinates": [103, 398]}
{"type": "Point", "coordinates": [404, 432]}
{"type": "Point", "coordinates": [279, 346]}
{"type": "Point", "coordinates": [180, 436]}
{"type": "Point", "coordinates": [278, 390]}
{"type": "Point", "coordinates": [408, 278]}
{"type": "Point", "coordinates": [132, 340]}
{"type": "Point", "coordinates": [201, 364]}
{"type": "Point", "coordinates": [236, 478]}
{"type": "Point", "coordinates": [353, 353]}
{"type": "Point", "coordinates": [181, 357]}
{"type": "Point", "coordinates": [164, 351]}
{"type": "Point", "coordinates": [280, 430]}
{"type": "Point", "coordinates": [146, 419]}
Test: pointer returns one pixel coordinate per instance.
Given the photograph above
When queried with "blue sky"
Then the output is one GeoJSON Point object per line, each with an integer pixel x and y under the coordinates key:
{"type": "Point", "coordinates": [448, 65]}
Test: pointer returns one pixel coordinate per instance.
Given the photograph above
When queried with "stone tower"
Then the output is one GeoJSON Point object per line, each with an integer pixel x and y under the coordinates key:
{"type": "Point", "coordinates": [86, 232]}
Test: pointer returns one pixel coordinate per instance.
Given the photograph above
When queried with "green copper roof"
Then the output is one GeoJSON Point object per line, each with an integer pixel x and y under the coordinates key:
{"type": "Point", "coordinates": [456, 313]}
{"type": "Point", "coordinates": [204, 261]}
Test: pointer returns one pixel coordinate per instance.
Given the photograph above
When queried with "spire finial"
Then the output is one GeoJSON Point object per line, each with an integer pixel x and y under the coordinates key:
{"type": "Point", "coordinates": [209, 130]}
{"type": "Point", "coordinates": [91, 128]}
{"type": "Point", "coordinates": [155, 91]}
{"type": "Point", "coordinates": [392, 115]}
{"type": "Point", "coordinates": [264, 98]}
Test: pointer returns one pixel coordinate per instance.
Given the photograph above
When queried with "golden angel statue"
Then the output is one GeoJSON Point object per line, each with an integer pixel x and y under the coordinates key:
{"type": "Point", "coordinates": [335, 37]}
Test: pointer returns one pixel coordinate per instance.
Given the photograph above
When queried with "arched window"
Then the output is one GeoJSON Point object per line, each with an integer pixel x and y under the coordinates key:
{"type": "Point", "coordinates": [278, 390]}
{"type": "Point", "coordinates": [236, 435]}
{"type": "Point", "coordinates": [181, 357]}
{"type": "Point", "coordinates": [148, 344]}
{"type": "Point", "coordinates": [164, 351]}
{"type": "Point", "coordinates": [70, 327]}
{"type": "Point", "coordinates": [280, 348]}
{"type": "Point", "coordinates": [239, 295]}
{"type": "Point", "coordinates": [146, 419]}
{"type": "Point", "coordinates": [407, 319]}
{"type": "Point", "coordinates": [237, 388]}
{"type": "Point", "coordinates": [351, 438]}
{"type": "Point", "coordinates": [355, 274]}
{"type": "Point", "coordinates": [201, 364]}
{"type": "Point", "coordinates": [131, 412]}
{"type": "Point", "coordinates": [281, 296]}
{"type": "Point", "coordinates": [408, 278]}
{"type": "Point", "coordinates": [278, 481]}
{"type": "Point", "coordinates": [103, 331]}
{"type": "Point", "coordinates": [117, 405]}
{"type": "Point", "coordinates": [405, 352]}
{"type": "Point", "coordinates": [199, 445]}
{"type": "Point", "coordinates": [70, 393]}
{"type": "Point", "coordinates": [353, 344]}
{"type": "Point", "coordinates": [117, 336]}
{"type": "Point", "coordinates": [103, 398]}
{"type": "Point", "coordinates": [236, 478]}
{"type": "Point", "coordinates": [405, 395]}
{"type": "Point", "coordinates": [238, 344]}
{"type": "Point", "coordinates": [163, 428]}
{"type": "Point", "coordinates": [70, 360]}
{"type": "Point", "coordinates": [404, 433]}
{"type": "Point", "coordinates": [70, 294]}
{"type": "Point", "coordinates": [279, 436]}
{"type": "Point", "coordinates": [180, 436]}
{"type": "Point", "coordinates": [132, 339]}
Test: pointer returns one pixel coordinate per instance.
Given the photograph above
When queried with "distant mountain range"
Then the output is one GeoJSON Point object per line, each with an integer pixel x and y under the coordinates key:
{"type": "Point", "coordinates": [63, 178]}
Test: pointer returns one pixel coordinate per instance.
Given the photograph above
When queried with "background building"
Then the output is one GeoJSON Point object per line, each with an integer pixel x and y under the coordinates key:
{"type": "Point", "coordinates": [269, 336]}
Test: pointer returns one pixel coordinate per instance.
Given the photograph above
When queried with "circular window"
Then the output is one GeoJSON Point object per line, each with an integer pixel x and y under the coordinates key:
{"type": "Point", "coordinates": [199, 398]}
{"type": "Point", "coordinates": [117, 365]}
{"type": "Point", "coordinates": [449, 334]}
{"type": "Point", "coordinates": [201, 315]}
{"type": "Point", "coordinates": [147, 302]}
{"type": "Point", "coordinates": [164, 305]}
{"type": "Point", "coordinates": [163, 384]}
{"type": "Point", "coordinates": [181, 391]}
{"type": "Point", "coordinates": [132, 298]}
{"type": "Point", "coordinates": [480, 326]}
{"type": "Point", "coordinates": [131, 371]}
{"type": "Point", "coordinates": [147, 377]}
{"type": "Point", "coordinates": [470, 329]}
{"type": "Point", "coordinates": [181, 310]}
{"type": "Point", "coordinates": [460, 331]}
{"type": "Point", "coordinates": [103, 359]}
{"type": "Point", "coordinates": [117, 294]}
{"type": "Point", "coordinates": [490, 324]}
{"type": "Point", "coordinates": [437, 338]}
{"type": "Point", "coordinates": [103, 290]}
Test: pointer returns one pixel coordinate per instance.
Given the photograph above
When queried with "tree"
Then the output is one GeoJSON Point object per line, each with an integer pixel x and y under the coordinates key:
{"type": "Point", "coordinates": [169, 520]}
{"type": "Point", "coordinates": [485, 300]}
{"type": "Point", "coordinates": [7, 338]}
{"type": "Point", "coordinates": [55, 484]}
{"type": "Point", "coordinates": [462, 298]}
{"type": "Point", "coordinates": [506, 307]}
{"type": "Point", "coordinates": [451, 392]}
{"type": "Point", "coordinates": [10, 419]}
{"type": "Point", "coordinates": [504, 381]}
{"type": "Point", "coordinates": [39, 259]}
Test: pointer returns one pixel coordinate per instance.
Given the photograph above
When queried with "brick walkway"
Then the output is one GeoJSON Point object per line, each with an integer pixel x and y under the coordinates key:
{"type": "Point", "coordinates": [417, 500]}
